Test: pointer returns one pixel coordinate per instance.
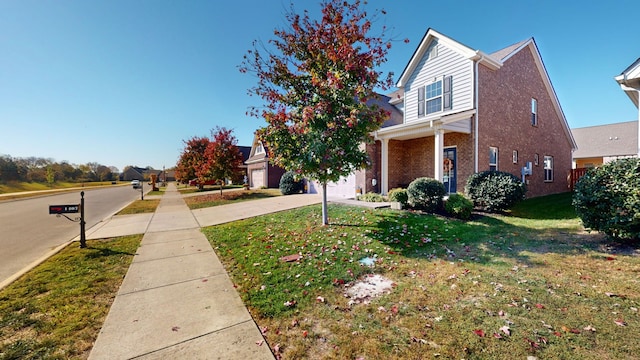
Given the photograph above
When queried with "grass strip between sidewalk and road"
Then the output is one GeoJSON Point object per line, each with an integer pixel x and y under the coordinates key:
{"type": "Point", "coordinates": [140, 207]}
{"type": "Point", "coordinates": [56, 310]}
{"type": "Point", "coordinates": [215, 198]}
{"type": "Point", "coordinates": [529, 283]}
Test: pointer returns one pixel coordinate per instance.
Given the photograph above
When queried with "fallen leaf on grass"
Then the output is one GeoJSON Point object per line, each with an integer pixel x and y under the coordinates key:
{"type": "Point", "coordinates": [479, 332]}
{"type": "Point", "coordinates": [620, 322]}
{"type": "Point", "coordinates": [505, 329]}
{"type": "Point", "coordinates": [497, 336]}
{"type": "Point", "coordinates": [590, 328]}
{"type": "Point", "coordinates": [540, 306]}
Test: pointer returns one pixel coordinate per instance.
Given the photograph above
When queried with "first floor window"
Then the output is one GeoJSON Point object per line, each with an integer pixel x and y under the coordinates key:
{"type": "Point", "coordinates": [515, 156]}
{"type": "Point", "coordinates": [493, 158]}
{"type": "Point", "coordinates": [548, 168]}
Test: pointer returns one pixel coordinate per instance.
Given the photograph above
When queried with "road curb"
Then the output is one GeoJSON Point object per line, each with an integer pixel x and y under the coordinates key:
{"type": "Point", "coordinates": [29, 267]}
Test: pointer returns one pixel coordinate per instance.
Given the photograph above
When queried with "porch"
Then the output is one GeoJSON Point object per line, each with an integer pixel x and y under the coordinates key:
{"type": "Point", "coordinates": [408, 151]}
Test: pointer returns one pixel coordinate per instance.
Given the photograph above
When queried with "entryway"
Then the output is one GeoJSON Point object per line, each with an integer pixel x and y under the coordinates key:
{"type": "Point", "coordinates": [449, 167]}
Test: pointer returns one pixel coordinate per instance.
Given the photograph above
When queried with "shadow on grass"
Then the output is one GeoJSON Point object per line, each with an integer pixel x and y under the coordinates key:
{"type": "Point", "coordinates": [487, 238]}
{"type": "Point", "coordinates": [97, 252]}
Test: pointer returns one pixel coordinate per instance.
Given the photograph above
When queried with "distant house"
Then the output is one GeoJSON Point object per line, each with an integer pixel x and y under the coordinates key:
{"type": "Point", "coordinates": [600, 144]}
{"type": "Point", "coordinates": [132, 173]}
{"type": "Point", "coordinates": [463, 111]}
{"type": "Point", "coordinates": [260, 172]}
{"type": "Point", "coordinates": [138, 173]}
{"type": "Point", "coordinates": [629, 81]}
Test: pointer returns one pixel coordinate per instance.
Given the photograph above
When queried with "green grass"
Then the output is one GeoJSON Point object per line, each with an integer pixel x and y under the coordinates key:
{"type": "Point", "coordinates": [534, 271]}
{"type": "Point", "coordinates": [56, 310]}
{"type": "Point", "coordinates": [11, 190]}
{"type": "Point", "coordinates": [140, 207]}
{"type": "Point", "coordinates": [215, 198]}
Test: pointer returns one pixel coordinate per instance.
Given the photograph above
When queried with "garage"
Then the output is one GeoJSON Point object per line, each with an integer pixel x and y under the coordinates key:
{"type": "Point", "coordinates": [344, 188]}
{"type": "Point", "coordinates": [257, 178]}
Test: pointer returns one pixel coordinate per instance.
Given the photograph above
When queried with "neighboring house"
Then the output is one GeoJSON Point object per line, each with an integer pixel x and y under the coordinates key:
{"type": "Point", "coordinates": [259, 171]}
{"type": "Point", "coordinates": [466, 111]}
{"type": "Point", "coordinates": [246, 152]}
{"type": "Point", "coordinates": [629, 81]}
{"type": "Point", "coordinates": [600, 144]}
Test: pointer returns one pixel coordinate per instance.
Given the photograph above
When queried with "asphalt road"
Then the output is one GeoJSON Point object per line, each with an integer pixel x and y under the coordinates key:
{"type": "Point", "coordinates": [28, 232]}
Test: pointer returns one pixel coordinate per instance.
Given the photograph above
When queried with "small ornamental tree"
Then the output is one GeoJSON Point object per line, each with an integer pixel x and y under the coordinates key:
{"type": "Point", "coordinates": [317, 79]}
{"type": "Point", "coordinates": [191, 158]}
{"type": "Point", "coordinates": [222, 157]}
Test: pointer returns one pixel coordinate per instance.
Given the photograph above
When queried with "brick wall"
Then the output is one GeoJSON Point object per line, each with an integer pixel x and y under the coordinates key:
{"type": "Point", "coordinates": [505, 122]}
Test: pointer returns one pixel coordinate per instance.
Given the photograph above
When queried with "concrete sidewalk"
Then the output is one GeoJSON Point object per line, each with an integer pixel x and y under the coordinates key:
{"type": "Point", "coordinates": [177, 300]}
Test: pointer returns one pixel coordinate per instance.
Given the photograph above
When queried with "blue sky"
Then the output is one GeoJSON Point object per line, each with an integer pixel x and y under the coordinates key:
{"type": "Point", "coordinates": [125, 82]}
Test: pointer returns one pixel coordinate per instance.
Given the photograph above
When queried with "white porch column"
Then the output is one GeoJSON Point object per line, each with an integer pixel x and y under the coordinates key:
{"type": "Point", "coordinates": [439, 150]}
{"type": "Point", "coordinates": [384, 171]}
{"type": "Point", "coordinates": [639, 123]}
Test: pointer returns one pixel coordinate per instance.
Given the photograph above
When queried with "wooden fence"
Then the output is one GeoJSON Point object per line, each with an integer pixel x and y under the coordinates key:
{"type": "Point", "coordinates": [575, 175]}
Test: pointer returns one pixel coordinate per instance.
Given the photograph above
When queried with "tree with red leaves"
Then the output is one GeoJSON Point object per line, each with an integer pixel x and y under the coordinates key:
{"type": "Point", "coordinates": [206, 160]}
{"type": "Point", "coordinates": [316, 80]}
{"type": "Point", "coordinates": [223, 157]}
{"type": "Point", "coordinates": [191, 158]}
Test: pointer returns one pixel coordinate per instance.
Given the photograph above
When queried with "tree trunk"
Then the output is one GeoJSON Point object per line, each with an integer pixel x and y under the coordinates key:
{"type": "Point", "coordinates": [325, 216]}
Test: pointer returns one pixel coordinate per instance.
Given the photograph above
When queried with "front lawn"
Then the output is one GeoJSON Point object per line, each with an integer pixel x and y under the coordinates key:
{"type": "Point", "coordinates": [497, 287]}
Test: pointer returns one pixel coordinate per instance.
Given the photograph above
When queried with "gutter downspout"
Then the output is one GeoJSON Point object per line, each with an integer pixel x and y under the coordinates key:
{"type": "Point", "coordinates": [475, 123]}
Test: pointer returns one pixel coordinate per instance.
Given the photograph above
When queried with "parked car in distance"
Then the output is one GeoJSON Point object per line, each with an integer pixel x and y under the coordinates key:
{"type": "Point", "coordinates": [135, 184]}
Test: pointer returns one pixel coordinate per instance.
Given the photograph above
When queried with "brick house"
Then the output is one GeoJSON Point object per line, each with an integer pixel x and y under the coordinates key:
{"type": "Point", "coordinates": [259, 171]}
{"type": "Point", "coordinates": [465, 111]}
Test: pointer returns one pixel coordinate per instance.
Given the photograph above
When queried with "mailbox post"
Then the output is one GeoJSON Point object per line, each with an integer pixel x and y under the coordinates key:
{"type": "Point", "coordinates": [61, 210]}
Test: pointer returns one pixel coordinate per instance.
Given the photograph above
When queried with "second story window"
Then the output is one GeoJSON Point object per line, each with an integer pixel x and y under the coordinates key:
{"type": "Point", "coordinates": [534, 112]}
{"type": "Point", "coordinates": [259, 149]}
{"type": "Point", "coordinates": [435, 97]}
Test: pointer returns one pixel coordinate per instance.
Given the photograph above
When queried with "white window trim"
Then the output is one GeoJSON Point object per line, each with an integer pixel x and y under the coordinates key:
{"type": "Point", "coordinates": [497, 158]}
{"type": "Point", "coordinates": [546, 168]}
{"type": "Point", "coordinates": [515, 156]}
{"type": "Point", "coordinates": [259, 149]}
{"type": "Point", "coordinates": [440, 80]}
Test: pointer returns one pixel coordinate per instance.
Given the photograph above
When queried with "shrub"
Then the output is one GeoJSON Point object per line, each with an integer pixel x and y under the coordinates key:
{"type": "Point", "coordinates": [607, 199]}
{"type": "Point", "coordinates": [289, 185]}
{"type": "Point", "coordinates": [426, 194]}
{"type": "Point", "coordinates": [371, 197]}
{"type": "Point", "coordinates": [459, 206]}
{"type": "Point", "coordinates": [399, 195]}
{"type": "Point", "coordinates": [495, 190]}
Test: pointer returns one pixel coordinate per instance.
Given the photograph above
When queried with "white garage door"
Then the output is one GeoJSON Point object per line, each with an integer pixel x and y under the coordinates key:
{"type": "Point", "coordinates": [257, 178]}
{"type": "Point", "coordinates": [343, 188]}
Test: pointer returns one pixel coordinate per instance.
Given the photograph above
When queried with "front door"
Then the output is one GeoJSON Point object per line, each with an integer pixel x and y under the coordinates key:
{"type": "Point", "coordinates": [449, 167]}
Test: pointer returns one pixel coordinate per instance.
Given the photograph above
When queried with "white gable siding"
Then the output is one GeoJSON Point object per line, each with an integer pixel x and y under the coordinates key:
{"type": "Point", "coordinates": [447, 63]}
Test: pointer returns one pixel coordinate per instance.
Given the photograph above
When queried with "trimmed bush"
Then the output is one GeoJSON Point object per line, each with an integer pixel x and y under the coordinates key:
{"type": "Point", "coordinates": [607, 199]}
{"type": "Point", "coordinates": [495, 190]}
{"type": "Point", "coordinates": [399, 195]}
{"type": "Point", "coordinates": [459, 206]}
{"type": "Point", "coordinates": [289, 185]}
{"type": "Point", "coordinates": [371, 197]}
{"type": "Point", "coordinates": [426, 194]}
